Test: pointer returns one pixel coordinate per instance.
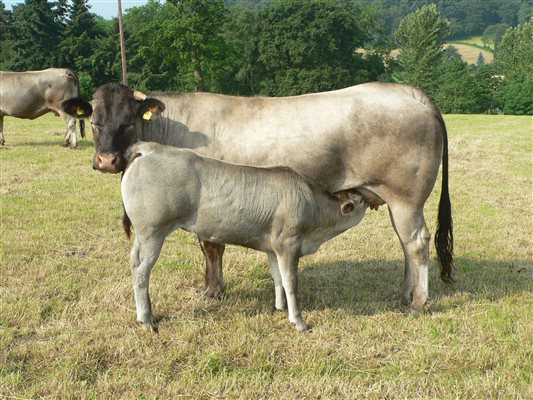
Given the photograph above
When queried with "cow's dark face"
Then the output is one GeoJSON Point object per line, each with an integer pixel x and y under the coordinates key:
{"type": "Point", "coordinates": [117, 112]}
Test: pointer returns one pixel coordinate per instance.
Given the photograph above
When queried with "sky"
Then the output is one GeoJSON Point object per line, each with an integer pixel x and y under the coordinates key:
{"type": "Point", "coordinates": [104, 8]}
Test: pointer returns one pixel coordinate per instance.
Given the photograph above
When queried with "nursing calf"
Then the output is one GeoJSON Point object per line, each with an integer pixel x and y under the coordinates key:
{"type": "Point", "coordinates": [273, 210]}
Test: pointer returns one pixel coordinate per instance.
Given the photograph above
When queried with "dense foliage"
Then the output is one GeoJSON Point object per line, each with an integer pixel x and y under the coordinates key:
{"type": "Point", "coordinates": [284, 47]}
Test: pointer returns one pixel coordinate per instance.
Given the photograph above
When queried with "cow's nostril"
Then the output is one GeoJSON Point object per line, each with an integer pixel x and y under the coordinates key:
{"type": "Point", "coordinates": [107, 162]}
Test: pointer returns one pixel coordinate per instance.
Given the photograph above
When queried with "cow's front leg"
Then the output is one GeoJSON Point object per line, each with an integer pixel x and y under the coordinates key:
{"type": "Point", "coordinates": [214, 279]}
{"type": "Point", "coordinates": [143, 255]}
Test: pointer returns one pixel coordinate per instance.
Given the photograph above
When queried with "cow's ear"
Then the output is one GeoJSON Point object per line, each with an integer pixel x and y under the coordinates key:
{"type": "Point", "coordinates": [347, 207]}
{"type": "Point", "coordinates": [149, 107]}
{"type": "Point", "coordinates": [77, 108]}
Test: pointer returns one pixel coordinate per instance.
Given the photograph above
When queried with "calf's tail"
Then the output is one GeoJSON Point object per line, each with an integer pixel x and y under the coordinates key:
{"type": "Point", "coordinates": [444, 234]}
{"type": "Point", "coordinates": [126, 224]}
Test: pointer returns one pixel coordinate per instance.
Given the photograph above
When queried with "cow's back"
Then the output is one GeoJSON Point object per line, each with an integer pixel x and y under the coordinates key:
{"type": "Point", "coordinates": [348, 138]}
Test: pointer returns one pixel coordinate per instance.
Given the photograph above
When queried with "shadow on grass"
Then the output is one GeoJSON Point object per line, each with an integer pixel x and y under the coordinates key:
{"type": "Point", "coordinates": [373, 287]}
{"type": "Point", "coordinates": [82, 144]}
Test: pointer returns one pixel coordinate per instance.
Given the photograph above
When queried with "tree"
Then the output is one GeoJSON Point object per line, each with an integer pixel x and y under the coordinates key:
{"type": "Point", "coordinates": [243, 74]}
{"type": "Point", "coordinates": [515, 53]}
{"type": "Point", "coordinates": [192, 34]}
{"type": "Point", "coordinates": [492, 35]}
{"type": "Point", "coordinates": [6, 38]}
{"type": "Point", "coordinates": [37, 31]}
{"type": "Point", "coordinates": [515, 58]}
{"type": "Point", "coordinates": [79, 35]}
{"type": "Point", "coordinates": [458, 91]}
{"type": "Point", "coordinates": [421, 37]}
{"type": "Point", "coordinates": [308, 46]}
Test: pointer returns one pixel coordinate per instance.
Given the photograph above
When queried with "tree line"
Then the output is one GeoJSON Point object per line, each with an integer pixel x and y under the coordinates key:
{"type": "Point", "coordinates": [283, 47]}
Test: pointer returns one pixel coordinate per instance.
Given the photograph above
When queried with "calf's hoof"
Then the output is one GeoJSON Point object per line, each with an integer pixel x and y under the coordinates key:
{"type": "Point", "coordinates": [150, 326]}
{"type": "Point", "coordinates": [301, 326]}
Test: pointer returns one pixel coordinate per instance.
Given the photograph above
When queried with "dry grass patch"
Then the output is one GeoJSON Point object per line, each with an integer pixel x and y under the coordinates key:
{"type": "Point", "coordinates": [67, 319]}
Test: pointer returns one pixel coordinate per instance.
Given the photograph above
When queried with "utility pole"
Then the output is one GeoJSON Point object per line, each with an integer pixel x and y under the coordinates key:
{"type": "Point", "coordinates": [122, 46]}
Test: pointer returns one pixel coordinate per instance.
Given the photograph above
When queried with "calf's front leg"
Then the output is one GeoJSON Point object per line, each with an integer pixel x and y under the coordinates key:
{"type": "Point", "coordinates": [288, 269]}
{"type": "Point", "coordinates": [143, 256]}
{"type": "Point", "coordinates": [214, 279]}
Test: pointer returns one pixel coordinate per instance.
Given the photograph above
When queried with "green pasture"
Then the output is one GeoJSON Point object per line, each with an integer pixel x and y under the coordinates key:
{"type": "Point", "coordinates": [67, 319]}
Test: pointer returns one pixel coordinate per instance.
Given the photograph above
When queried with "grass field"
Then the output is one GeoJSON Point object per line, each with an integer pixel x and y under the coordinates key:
{"type": "Point", "coordinates": [67, 320]}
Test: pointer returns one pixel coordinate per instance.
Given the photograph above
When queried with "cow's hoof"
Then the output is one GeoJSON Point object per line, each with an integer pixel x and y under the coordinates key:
{"type": "Point", "coordinates": [407, 298]}
{"type": "Point", "coordinates": [412, 313]}
{"type": "Point", "coordinates": [211, 294]}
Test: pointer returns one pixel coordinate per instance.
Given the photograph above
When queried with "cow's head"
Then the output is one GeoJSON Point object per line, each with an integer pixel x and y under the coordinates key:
{"type": "Point", "coordinates": [117, 113]}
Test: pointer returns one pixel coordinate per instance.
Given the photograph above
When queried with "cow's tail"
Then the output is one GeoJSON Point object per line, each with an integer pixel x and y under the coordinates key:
{"type": "Point", "coordinates": [444, 234]}
{"type": "Point", "coordinates": [82, 128]}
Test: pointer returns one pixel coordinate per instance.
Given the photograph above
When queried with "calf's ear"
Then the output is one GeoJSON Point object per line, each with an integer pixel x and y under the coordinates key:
{"type": "Point", "coordinates": [149, 107]}
{"type": "Point", "coordinates": [347, 207]}
{"type": "Point", "coordinates": [77, 108]}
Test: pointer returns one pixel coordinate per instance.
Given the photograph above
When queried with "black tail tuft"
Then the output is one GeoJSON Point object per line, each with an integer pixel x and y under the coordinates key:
{"type": "Point", "coordinates": [82, 128]}
{"type": "Point", "coordinates": [444, 234]}
{"type": "Point", "coordinates": [126, 224]}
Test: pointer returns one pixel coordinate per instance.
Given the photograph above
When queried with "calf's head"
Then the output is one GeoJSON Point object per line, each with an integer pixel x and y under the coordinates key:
{"type": "Point", "coordinates": [350, 202]}
{"type": "Point", "coordinates": [117, 112]}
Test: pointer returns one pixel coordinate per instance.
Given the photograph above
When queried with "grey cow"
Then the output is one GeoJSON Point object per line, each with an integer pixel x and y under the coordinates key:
{"type": "Point", "coordinates": [31, 94]}
{"type": "Point", "coordinates": [273, 210]}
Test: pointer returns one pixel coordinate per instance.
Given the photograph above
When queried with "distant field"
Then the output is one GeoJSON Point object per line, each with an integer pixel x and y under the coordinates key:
{"type": "Point", "coordinates": [67, 319]}
{"type": "Point", "coordinates": [468, 48]}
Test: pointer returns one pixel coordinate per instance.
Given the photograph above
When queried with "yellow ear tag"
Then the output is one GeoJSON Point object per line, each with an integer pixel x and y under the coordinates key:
{"type": "Point", "coordinates": [80, 112]}
{"type": "Point", "coordinates": [147, 115]}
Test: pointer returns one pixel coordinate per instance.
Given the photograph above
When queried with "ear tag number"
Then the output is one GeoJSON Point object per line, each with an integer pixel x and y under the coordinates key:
{"type": "Point", "coordinates": [80, 112]}
{"type": "Point", "coordinates": [147, 115]}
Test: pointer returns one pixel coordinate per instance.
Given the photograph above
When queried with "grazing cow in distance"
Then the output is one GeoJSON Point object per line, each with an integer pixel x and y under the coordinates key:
{"type": "Point", "coordinates": [273, 210]}
{"type": "Point", "coordinates": [385, 141]}
{"type": "Point", "coordinates": [31, 94]}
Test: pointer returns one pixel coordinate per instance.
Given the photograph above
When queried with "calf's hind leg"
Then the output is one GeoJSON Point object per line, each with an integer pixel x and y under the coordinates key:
{"type": "Point", "coordinates": [143, 256]}
{"type": "Point", "coordinates": [281, 300]}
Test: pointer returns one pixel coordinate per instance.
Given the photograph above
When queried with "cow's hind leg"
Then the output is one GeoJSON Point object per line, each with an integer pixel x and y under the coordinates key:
{"type": "Point", "coordinates": [214, 279]}
{"type": "Point", "coordinates": [414, 236]}
{"type": "Point", "coordinates": [143, 256]}
{"type": "Point", "coordinates": [70, 136]}
{"type": "Point", "coordinates": [2, 141]}
{"type": "Point", "coordinates": [281, 299]}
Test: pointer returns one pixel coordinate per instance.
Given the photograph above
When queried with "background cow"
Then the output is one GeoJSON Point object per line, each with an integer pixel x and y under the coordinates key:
{"type": "Point", "coordinates": [386, 141]}
{"type": "Point", "coordinates": [34, 93]}
{"type": "Point", "coordinates": [273, 210]}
